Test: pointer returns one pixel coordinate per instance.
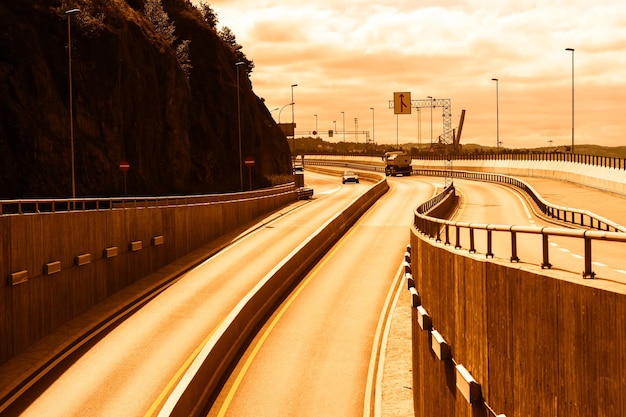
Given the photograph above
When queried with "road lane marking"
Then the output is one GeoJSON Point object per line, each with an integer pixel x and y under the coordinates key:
{"type": "Point", "coordinates": [278, 315]}
{"type": "Point", "coordinates": [379, 349]}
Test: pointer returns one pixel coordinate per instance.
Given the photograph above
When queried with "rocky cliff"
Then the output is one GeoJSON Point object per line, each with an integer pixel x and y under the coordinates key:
{"type": "Point", "coordinates": [133, 100]}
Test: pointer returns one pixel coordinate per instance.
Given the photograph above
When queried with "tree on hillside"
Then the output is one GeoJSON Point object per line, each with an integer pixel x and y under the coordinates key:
{"type": "Point", "coordinates": [228, 37]}
{"type": "Point", "coordinates": [153, 9]}
{"type": "Point", "coordinates": [183, 55]}
{"type": "Point", "coordinates": [208, 14]}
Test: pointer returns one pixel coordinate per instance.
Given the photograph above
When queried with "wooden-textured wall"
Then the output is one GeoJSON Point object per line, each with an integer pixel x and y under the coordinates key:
{"type": "Point", "coordinates": [539, 342]}
{"type": "Point", "coordinates": [140, 240]}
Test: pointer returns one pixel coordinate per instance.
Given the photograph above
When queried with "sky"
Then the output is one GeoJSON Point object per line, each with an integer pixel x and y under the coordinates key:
{"type": "Point", "coordinates": [352, 55]}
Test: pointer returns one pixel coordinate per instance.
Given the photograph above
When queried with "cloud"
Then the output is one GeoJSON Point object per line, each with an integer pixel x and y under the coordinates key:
{"type": "Point", "coordinates": [352, 55]}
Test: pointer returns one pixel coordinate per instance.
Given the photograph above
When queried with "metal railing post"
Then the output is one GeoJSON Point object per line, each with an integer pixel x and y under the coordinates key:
{"type": "Point", "coordinates": [489, 253]}
{"type": "Point", "coordinates": [546, 244]}
{"type": "Point", "coordinates": [588, 272]}
{"type": "Point", "coordinates": [514, 257]}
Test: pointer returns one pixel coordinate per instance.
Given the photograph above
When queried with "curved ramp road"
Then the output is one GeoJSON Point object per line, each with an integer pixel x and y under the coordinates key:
{"type": "Point", "coordinates": [319, 354]}
{"type": "Point", "coordinates": [322, 352]}
{"type": "Point", "coordinates": [125, 372]}
{"type": "Point", "coordinates": [496, 204]}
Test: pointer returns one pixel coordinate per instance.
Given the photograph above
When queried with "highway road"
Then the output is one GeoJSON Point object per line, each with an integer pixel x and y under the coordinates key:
{"type": "Point", "coordinates": [495, 204]}
{"type": "Point", "coordinates": [124, 373]}
{"type": "Point", "coordinates": [320, 353]}
{"type": "Point", "coordinates": [317, 356]}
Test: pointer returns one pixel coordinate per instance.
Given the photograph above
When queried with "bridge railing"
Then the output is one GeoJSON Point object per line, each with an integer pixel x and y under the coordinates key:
{"type": "Point", "coordinates": [595, 160]}
{"type": "Point", "coordinates": [585, 159]}
{"type": "Point", "coordinates": [450, 233]}
{"type": "Point", "coordinates": [31, 206]}
{"type": "Point", "coordinates": [574, 216]}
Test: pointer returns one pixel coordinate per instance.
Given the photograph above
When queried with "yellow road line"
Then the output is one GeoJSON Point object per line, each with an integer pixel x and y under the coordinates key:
{"type": "Point", "coordinates": [160, 400]}
{"type": "Point", "coordinates": [292, 297]}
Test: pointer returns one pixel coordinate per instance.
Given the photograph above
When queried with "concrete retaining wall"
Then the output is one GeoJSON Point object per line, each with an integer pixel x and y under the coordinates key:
{"type": "Point", "coordinates": [538, 343]}
{"type": "Point", "coordinates": [58, 265]}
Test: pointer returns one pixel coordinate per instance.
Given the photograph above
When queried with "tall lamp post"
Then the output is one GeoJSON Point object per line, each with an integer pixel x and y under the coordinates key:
{"type": "Point", "coordinates": [315, 123]}
{"type": "Point", "coordinates": [572, 50]}
{"type": "Point", "coordinates": [431, 121]}
{"type": "Point", "coordinates": [237, 65]}
{"type": "Point", "coordinates": [373, 132]}
{"type": "Point", "coordinates": [335, 124]}
{"type": "Point", "coordinates": [497, 115]}
{"type": "Point", "coordinates": [344, 125]}
{"type": "Point", "coordinates": [69, 13]}
{"type": "Point", "coordinates": [281, 110]}
{"type": "Point", "coordinates": [293, 136]}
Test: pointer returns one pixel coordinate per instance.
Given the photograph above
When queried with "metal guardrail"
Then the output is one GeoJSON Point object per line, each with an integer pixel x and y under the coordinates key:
{"type": "Point", "coordinates": [595, 160]}
{"type": "Point", "coordinates": [446, 230]}
{"type": "Point", "coordinates": [32, 206]}
{"type": "Point", "coordinates": [574, 216]}
{"type": "Point", "coordinates": [584, 159]}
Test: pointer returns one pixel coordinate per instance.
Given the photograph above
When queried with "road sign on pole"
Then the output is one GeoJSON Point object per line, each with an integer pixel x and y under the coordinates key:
{"type": "Point", "coordinates": [402, 103]}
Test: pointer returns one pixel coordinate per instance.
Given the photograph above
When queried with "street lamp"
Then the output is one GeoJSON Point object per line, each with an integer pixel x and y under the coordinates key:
{"type": "Point", "coordinates": [344, 125]}
{"type": "Point", "coordinates": [315, 123]}
{"type": "Point", "coordinates": [293, 136]}
{"type": "Point", "coordinates": [497, 115]}
{"type": "Point", "coordinates": [431, 121]}
{"type": "Point", "coordinates": [335, 124]}
{"type": "Point", "coordinates": [237, 65]}
{"type": "Point", "coordinates": [281, 110]}
{"type": "Point", "coordinates": [372, 109]}
{"type": "Point", "coordinates": [356, 129]}
{"type": "Point", "coordinates": [69, 13]}
{"type": "Point", "coordinates": [572, 50]}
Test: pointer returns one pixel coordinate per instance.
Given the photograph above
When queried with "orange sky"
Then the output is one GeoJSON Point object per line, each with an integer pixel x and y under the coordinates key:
{"type": "Point", "coordinates": [352, 55]}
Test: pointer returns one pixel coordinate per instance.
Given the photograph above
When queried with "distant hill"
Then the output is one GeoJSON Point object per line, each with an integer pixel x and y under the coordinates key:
{"type": "Point", "coordinates": [168, 106]}
{"type": "Point", "coordinates": [318, 145]}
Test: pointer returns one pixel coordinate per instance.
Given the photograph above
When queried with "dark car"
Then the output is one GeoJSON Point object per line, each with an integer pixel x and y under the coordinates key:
{"type": "Point", "coordinates": [350, 176]}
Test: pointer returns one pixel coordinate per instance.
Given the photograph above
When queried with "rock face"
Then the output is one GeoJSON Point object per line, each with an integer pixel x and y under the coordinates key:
{"type": "Point", "coordinates": [132, 101]}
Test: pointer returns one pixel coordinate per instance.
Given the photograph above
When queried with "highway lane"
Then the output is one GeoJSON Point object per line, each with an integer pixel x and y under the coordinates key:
{"type": "Point", "coordinates": [495, 204]}
{"type": "Point", "coordinates": [318, 354]}
{"type": "Point", "coordinates": [314, 356]}
{"type": "Point", "coordinates": [125, 373]}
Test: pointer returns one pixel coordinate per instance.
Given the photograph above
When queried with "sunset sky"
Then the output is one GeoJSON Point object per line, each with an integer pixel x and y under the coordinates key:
{"type": "Point", "coordinates": [352, 55]}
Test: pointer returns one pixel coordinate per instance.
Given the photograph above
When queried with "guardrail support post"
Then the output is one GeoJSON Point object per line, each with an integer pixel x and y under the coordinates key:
{"type": "Point", "coordinates": [447, 243]}
{"type": "Point", "coordinates": [546, 261]}
{"type": "Point", "coordinates": [472, 248]}
{"type": "Point", "coordinates": [489, 253]}
{"type": "Point", "coordinates": [458, 238]}
{"type": "Point", "coordinates": [514, 257]}
{"type": "Point", "coordinates": [588, 273]}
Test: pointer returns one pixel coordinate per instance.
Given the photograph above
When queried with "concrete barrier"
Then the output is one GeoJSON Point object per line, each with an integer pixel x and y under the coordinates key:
{"type": "Point", "coordinates": [57, 265]}
{"type": "Point", "coordinates": [539, 342]}
{"type": "Point", "coordinates": [202, 379]}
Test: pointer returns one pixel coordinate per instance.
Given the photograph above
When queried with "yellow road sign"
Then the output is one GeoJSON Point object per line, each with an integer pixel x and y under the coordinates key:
{"type": "Point", "coordinates": [402, 103]}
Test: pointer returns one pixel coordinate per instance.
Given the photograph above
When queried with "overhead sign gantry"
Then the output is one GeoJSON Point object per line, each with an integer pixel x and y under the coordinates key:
{"type": "Point", "coordinates": [402, 104]}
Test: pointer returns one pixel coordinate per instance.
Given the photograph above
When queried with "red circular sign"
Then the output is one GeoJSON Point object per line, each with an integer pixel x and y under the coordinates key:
{"type": "Point", "coordinates": [249, 161]}
{"type": "Point", "coordinates": [124, 166]}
